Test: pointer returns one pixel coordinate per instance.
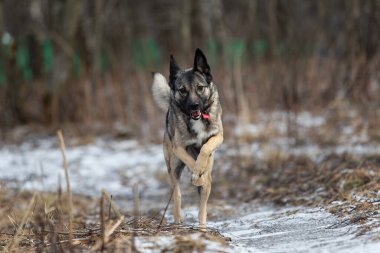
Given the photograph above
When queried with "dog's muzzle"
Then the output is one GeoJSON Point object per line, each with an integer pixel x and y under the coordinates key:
{"type": "Point", "coordinates": [196, 114]}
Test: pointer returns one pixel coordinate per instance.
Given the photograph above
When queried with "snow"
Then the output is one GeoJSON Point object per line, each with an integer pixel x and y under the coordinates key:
{"type": "Point", "coordinates": [101, 165]}
{"type": "Point", "coordinates": [307, 120]}
{"type": "Point", "coordinates": [117, 165]}
{"type": "Point", "coordinates": [269, 229]}
{"type": "Point", "coordinates": [273, 126]}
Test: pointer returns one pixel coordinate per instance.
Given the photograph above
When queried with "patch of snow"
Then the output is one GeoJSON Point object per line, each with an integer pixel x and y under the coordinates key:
{"type": "Point", "coordinates": [101, 165]}
{"type": "Point", "coordinates": [248, 129]}
{"type": "Point", "coordinates": [306, 119]}
{"type": "Point", "coordinates": [370, 247]}
{"type": "Point", "coordinates": [292, 230]}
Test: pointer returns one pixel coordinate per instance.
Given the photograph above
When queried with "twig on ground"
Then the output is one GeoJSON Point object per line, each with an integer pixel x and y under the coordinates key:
{"type": "Point", "coordinates": [136, 201]}
{"type": "Point", "coordinates": [166, 208]}
{"type": "Point", "coordinates": [102, 225]}
{"type": "Point", "coordinates": [114, 227]}
{"type": "Point", "coordinates": [70, 211]}
{"type": "Point", "coordinates": [20, 229]}
{"type": "Point", "coordinates": [105, 233]}
{"type": "Point", "coordinates": [75, 241]}
{"type": "Point", "coordinates": [109, 209]}
{"type": "Point", "coordinates": [114, 207]}
{"type": "Point", "coordinates": [135, 212]}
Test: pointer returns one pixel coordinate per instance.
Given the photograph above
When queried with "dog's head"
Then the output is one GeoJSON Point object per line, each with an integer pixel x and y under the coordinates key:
{"type": "Point", "coordinates": [191, 87]}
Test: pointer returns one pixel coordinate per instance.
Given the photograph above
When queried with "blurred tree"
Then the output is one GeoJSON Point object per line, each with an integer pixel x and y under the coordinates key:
{"type": "Point", "coordinates": [84, 61]}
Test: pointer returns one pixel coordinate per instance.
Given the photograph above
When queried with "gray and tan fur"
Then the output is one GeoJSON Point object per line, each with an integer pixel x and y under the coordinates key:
{"type": "Point", "coordinates": [193, 127]}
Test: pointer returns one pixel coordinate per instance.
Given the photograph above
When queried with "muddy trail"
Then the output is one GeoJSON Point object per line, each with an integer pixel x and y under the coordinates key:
{"type": "Point", "coordinates": [276, 194]}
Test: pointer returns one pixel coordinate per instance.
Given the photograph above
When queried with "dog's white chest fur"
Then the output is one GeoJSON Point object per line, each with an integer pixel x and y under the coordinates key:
{"type": "Point", "coordinates": [201, 133]}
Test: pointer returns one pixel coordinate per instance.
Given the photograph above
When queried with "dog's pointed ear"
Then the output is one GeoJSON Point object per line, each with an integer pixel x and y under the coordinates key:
{"type": "Point", "coordinates": [174, 69]}
{"type": "Point", "coordinates": [201, 65]}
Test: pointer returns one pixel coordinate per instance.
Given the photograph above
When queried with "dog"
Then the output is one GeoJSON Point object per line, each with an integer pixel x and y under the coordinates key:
{"type": "Point", "coordinates": [193, 129]}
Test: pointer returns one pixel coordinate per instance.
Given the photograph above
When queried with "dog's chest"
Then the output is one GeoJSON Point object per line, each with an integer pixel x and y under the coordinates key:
{"type": "Point", "coordinates": [200, 132]}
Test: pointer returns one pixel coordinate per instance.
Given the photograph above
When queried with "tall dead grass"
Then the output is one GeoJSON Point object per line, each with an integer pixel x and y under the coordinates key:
{"type": "Point", "coordinates": [56, 222]}
{"type": "Point", "coordinates": [123, 106]}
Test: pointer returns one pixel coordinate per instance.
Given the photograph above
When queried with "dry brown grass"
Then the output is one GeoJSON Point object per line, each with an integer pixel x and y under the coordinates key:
{"type": "Point", "coordinates": [56, 222]}
{"type": "Point", "coordinates": [343, 184]}
{"type": "Point", "coordinates": [43, 226]}
{"type": "Point", "coordinates": [347, 185]}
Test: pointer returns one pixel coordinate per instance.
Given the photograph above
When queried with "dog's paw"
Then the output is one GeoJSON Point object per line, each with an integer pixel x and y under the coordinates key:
{"type": "Point", "coordinates": [198, 180]}
{"type": "Point", "coordinates": [178, 219]}
{"type": "Point", "coordinates": [200, 165]}
{"type": "Point", "coordinates": [203, 227]}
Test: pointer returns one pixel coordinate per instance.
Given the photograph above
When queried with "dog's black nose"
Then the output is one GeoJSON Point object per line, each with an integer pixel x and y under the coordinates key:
{"type": "Point", "coordinates": [194, 106]}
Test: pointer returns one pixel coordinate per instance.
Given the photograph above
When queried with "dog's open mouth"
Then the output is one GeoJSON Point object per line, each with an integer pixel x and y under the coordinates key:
{"type": "Point", "coordinates": [195, 114]}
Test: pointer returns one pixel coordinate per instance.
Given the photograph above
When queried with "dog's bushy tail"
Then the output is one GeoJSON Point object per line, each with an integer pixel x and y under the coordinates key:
{"type": "Point", "coordinates": [161, 91]}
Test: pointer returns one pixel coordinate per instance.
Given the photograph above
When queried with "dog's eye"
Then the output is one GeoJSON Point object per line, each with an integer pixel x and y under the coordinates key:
{"type": "Point", "coordinates": [200, 88]}
{"type": "Point", "coordinates": [182, 91]}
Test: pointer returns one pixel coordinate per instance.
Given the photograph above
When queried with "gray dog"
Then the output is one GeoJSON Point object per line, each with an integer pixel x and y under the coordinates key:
{"type": "Point", "coordinates": [193, 127]}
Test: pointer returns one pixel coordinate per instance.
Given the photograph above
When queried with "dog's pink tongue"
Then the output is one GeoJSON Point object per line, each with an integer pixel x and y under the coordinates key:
{"type": "Point", "coordinates": [195, 114]}
{"type": "Point", "coordinates": [206, 116]}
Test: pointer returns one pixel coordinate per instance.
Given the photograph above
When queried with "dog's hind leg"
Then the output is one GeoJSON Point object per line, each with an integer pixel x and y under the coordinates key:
{"type": "Point", "coordinates": [175, 169]}
{"type": "Point", "coordinates": [205, 193]}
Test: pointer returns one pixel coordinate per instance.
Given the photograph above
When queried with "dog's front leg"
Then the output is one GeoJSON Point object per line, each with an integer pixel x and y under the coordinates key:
{"type": "Point", "coordinates": [203, 159]}
{"type": "Point", "coordinates": [199, 179]}
{"type": "Point", "coordinates": [205, 193]}
{"type": "Point", "coordinates": [181, 153]}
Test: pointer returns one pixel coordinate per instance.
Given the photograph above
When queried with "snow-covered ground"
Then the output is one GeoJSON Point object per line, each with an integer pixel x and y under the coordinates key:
{"type": "Point", "coordinates": [118, 165]}
{"type": "Point", "coordinates": [105, 164]}
{"type": "Point", "coordinates": [269, 229]}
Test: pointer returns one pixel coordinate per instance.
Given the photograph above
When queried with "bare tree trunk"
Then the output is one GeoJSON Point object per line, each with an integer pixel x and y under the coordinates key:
{"type": "Point", "coordinates": [241, 101]}
{"type": "Point", "coordinates": [2, 94]}
{"type": "Point", "coordinates": [72, 12]}
{"type": "Point", "coordinates": [185, 25]}
{"type": "Point", "coordinates": [99, 102]}
{"type": "Point", "coordinates": [218, 26]}
{"type": "Point", "coordinates": [1, 18]}
{"type": "Point", "coordinates": [98, 39]}
{"type": "Point", "coordinates": [201, 27]}
{"type": "Point", "coordinates": [272, 4]}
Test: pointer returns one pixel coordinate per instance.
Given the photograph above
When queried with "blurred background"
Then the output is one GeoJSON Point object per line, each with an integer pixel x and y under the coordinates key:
{"type": "Point", "coordinates": [88, 63]}
{"type": "Point", "coordinates": [299, 84]}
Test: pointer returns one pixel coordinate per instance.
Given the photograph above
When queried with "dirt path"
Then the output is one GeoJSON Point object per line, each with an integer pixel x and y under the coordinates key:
{"type": "Point", "coordinates": [293, 230]}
